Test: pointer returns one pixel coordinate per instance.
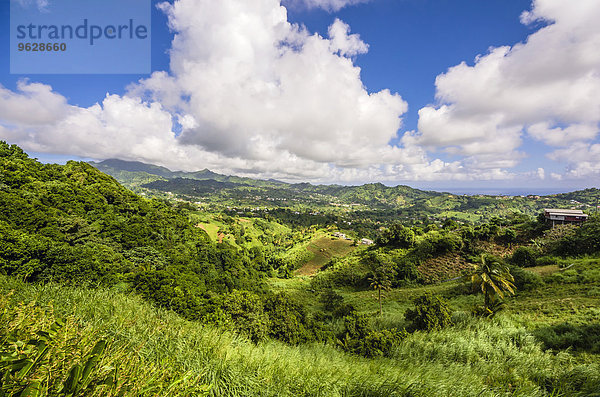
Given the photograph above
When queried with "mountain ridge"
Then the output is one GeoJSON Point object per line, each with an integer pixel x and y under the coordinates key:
{"type": "Point", "coordinates": [115, 166]}
{"type": "Point", "coordinates": [402, 200]}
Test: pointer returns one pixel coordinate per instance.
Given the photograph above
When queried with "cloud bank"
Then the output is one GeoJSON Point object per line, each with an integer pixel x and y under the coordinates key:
{"type": "Point", "coordinates": [250, 93]}
{"type": "Point", "coordinates": [546, 88]}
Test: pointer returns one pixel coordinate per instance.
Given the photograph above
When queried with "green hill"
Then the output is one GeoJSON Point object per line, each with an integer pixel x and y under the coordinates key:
{"type": "Point", "coordinates": [74, 224]}
{"type": "Point", "coordinates": [158, 353]}
{"type": "Point", "coordinates": [404, 201]}
{"type": "Point", "coordinates": [129, 169]}
{"type": "Point", "coordinates": [106, 293]}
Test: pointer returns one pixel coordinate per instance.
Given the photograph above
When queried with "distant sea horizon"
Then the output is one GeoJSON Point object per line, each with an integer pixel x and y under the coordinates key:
{"type": "Point", "coordinates": [504, 191]}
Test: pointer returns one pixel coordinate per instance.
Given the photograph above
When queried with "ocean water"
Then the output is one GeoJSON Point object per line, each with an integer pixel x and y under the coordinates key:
{"type": "Point", "coordinates": [501, 191]}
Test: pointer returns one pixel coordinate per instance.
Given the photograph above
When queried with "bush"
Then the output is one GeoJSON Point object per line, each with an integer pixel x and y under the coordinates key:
{"type": "Point", "coordinates": [343, 310]}
{"type": "Point", "coordinates": [381, 343]}
{"type": "Point", "coordinates": [525, 256]}
{"type": "Point", "coordinates": [405, 271]}
{"type": "Point", "coordinates": [437, 243]}
{"type": "Point", "coordinates": [569, 336]}
{"type": "Point", "coordinates": [331, 299]}
{"type": "Point", "coordinates": [508, 236]}
{"type": "Point", "coordinates": [585, 240]}
{"type": "Point", "coordinates": [450, 224]}
{"type": "Point", "coordinates": [397, 236]}
{"type": "Point", "coordinates": [340, 273]}
{"type": "Point", "coordinates": [546, 261]}
{"type": "Point", "coordinates": [430, 313]}
{"type": "Point", "coordinates": [356, 325]}
{"type": "Point", "coordinates": [245, 309]}
{"type": "Point", "coordinates": [360, 339]}
{"type": "Point", "coordinates": [288, 320]}
{"type": "Point", "coordinates": [525, 280]}
{"type": "Point", "coordinates": [334, 303]}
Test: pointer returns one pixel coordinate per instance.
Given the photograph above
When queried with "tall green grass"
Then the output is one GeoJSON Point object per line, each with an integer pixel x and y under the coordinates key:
{"type": "Point", "coordinates": [161, 354]}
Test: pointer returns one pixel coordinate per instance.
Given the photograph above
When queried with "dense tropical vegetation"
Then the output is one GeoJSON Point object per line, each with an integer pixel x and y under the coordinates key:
{"type": "Point", "coordinates": [109, 292]}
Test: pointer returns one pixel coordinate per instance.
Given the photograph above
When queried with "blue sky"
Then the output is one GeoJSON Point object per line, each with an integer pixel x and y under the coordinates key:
{"type": "Point", "coordinates": [275, 100]}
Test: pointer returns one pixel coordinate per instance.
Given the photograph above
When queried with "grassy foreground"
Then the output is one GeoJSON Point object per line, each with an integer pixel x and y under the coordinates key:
{"type": "Point", "coordinates": [158, 353]}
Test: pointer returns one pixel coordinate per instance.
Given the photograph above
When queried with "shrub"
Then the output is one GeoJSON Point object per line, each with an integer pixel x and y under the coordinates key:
{"type": "Point", "coordinates": [430, 313]}
{"type": "Point", "coordinates": [569, 336]}
{"type": "Point", "coordinates": [450, 224]}
{"type": "Point", "coordinates": [525, 256]}
{"type": "Point", "coordinates": [288, 320]}
{"type": "Point", "coordinates": [525, 280]}
{"type": "Point", "coordinates": [380, 343]}
{"type": "Point", "coordinates": [397, 236]}
{"type": "Point", "coordinates": [331, 299]}
{"type": "Point", "coordinates": [406, 270]}
{"type": "Point", "coordinates": [356, 325]}
{"type": "Point", "coordinates": [343, 310]}
{"type": "Point", "coordinates": [448, 242]}
{"type": "Point", "coordinates": [508, 236]}
{"type": "Point", "coordinates": [360, 339]}
{"type": "Point", "coordinates": [334, 303]}
{"type": "Point", "coordinates": [546, 261]}
{"type": "Point", "coordinates": [346, 272]}
{"type": "Point", "coordinates": [437, 243]}
{"type": "Point", "coordinates": [584, 240]}
{"type": "Point", "coordinates": [245, 309]}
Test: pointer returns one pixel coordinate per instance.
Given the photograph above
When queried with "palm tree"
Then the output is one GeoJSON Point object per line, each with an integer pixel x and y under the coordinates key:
{"type": "Point", "coordinates": [382, 272]}
{"type": "Point", "coordinates": [380, 281]}
{"type": "Point", "coordinates": [493, 279]}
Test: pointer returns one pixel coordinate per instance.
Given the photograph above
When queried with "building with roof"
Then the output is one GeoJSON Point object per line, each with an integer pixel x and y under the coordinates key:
{"type": "Point", "coordinates": [561, 216]}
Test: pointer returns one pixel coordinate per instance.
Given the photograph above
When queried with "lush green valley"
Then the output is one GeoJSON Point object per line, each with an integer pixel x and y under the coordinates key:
{"type": "Point", "coordinates": [359, 208]}
{"type": "Point", "coordinates": [177, 284]}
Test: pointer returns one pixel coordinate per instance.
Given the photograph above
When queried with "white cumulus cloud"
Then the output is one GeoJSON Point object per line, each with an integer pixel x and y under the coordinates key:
{"type": "Point", "coordinates": [32, 104]}
{"type": "Point", "coordinates": [253, 94]}
{"type": "Point", "coordinates": [547, 86]}
{"type": "Point", "coordinates": [328, 5]}
{"type": "Point", "coordinates": [343, 42]}
{"type": "Point", "coordinates": [260, 88]}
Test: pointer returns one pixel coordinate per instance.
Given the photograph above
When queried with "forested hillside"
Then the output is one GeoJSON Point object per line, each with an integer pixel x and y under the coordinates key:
{"type": "Point", "coordinates": [75, 224]}
{"type": "Point", "coordinates": [360, 207]}
{"type": "Point", "coordinates": [285, 300]}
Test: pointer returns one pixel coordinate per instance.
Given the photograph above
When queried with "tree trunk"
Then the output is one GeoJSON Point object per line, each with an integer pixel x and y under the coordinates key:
{"type": "Point", "coordinates": [486, 298]}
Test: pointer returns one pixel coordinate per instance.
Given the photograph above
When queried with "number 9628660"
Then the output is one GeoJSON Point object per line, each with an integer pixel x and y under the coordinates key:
{"type": "Point", "coordinates": [42, 47]}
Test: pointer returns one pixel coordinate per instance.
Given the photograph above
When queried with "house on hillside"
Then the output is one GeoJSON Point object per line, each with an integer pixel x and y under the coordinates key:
{"type": "Point", "coordinates": [561, 217]}
{"type": "Point", "coordinates": [340, 235]}
{"type": "Point", "coordinates": [366, 241]}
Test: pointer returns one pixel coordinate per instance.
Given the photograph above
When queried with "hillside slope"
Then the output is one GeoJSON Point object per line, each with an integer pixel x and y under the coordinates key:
{"type": "Point", "coordinates": [407, 202]}
{"type": "Point", "coordinates": [158, 353]}
{"type": "Point", "coordinates": [74, 224]}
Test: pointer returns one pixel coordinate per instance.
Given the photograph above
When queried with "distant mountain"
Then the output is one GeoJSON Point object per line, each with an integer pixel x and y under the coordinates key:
{"type": "Point", "coordinates": [117, 168]}
{"type": "Point", "coordinates": [125, 171]}
{"type": "Point", "coordinates": [111, 165]}
{"type": "Point", "coordinates": [256, 191]}
{"type": "Point", "coordinates": [236, 191]}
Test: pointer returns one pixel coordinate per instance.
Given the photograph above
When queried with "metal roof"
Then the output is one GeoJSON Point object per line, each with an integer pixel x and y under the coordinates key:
{"type": "Point", "coordinates": [555, 211]}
